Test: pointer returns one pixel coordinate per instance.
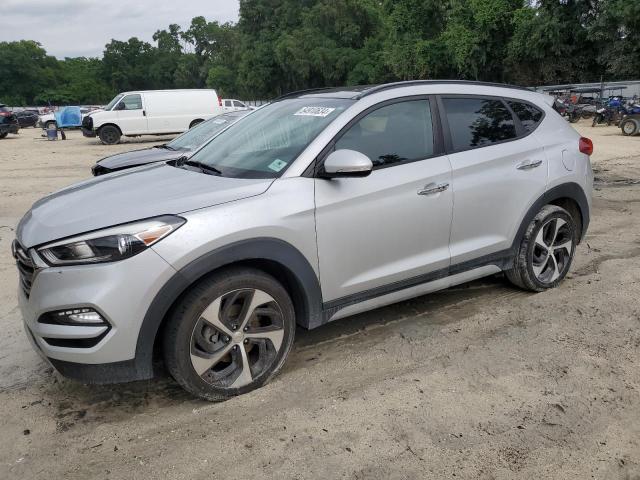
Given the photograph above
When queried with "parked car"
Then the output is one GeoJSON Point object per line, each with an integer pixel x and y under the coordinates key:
{"type": "Point", "coordinates": [630, 124]}
{"type": "Point", "coordinates": [8, 122]}
{"type": "Point", "coordinates": [182, 145]}
{"type": "Point", "coordinates": [231, 105]}
{"type": "Point", "coordinates": [321, 205]}
{"type": "Point", "coordinates": [48, 120]}
{"type": "Point", "coordinates": [27, 118]}
{"type": "Point", "coordinates": [151, 112]}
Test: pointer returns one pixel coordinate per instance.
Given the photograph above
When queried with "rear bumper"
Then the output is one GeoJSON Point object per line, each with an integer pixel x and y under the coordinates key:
{"type": "Point", "coordinates": [9, 128]}
{"type": "Point", "coordinates": [88, 133]}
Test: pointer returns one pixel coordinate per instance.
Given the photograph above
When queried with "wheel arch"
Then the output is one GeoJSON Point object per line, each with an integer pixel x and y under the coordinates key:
{"type": "Point", "coordinates": [195, 122]}
{"type": "Point", "coordinates": [273, 256]}
{"type": "Point", "coordinates": [569, 196]}
{"type": "Point", "coordinates": [110, 124]}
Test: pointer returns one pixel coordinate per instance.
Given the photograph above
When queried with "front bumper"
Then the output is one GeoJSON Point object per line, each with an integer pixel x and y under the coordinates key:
{"type": "Point", "coordinates": [121, 292]}
{"type": "Point", "coordinates": [88, 133]}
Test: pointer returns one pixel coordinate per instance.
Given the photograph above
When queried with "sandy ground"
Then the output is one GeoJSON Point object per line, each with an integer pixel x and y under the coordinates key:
{"type": "Point", "coordinates": [482, 381]}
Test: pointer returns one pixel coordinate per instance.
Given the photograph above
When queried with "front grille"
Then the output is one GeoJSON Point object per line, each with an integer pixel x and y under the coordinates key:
{"type": "Point", "coordinates": [25, 266]}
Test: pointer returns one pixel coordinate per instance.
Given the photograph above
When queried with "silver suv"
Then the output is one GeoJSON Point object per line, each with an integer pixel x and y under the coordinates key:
{"type": "Point", "coordinates": [321, 205]}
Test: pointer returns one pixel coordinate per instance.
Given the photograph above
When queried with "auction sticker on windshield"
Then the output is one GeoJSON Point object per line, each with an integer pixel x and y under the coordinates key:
{"type": "Point", "coordinates": [314, 111]}
{"type": "Point", "coordinates": [277, 165]}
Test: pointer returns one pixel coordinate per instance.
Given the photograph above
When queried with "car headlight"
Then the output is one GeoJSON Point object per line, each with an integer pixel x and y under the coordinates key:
{"type": "Point", "coordinates": [111, 244]}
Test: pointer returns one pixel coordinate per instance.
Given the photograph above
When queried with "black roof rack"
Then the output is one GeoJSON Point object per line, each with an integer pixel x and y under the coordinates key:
{"type": "Point", "coordinates": [388, 86]}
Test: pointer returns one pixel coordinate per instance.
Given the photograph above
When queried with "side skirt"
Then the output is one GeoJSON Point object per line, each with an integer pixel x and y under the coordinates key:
{"type": "Point", "coordinates": [431, 282]}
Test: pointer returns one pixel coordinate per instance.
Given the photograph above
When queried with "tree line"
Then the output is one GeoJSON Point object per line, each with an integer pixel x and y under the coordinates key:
{"type": "Point", "coordinates": [283, 45]}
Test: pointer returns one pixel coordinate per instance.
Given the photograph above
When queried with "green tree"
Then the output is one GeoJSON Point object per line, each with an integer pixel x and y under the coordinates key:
{"type": "Point", "coordinates": [26, 70]}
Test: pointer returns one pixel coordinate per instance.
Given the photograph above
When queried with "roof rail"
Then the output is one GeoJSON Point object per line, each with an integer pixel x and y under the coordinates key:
{"type": "Point", "coordinates": [297, 93]}
{"type": "Point", "coordinates": [388, 86]}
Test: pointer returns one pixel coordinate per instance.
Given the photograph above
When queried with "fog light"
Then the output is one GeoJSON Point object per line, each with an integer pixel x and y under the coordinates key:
{"type": "Point", "coordinates": [74, 316]}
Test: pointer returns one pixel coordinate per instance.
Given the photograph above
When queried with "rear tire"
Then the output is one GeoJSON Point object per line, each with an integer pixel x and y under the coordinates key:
{"type": "Point", "coordinates": [629, 127]}
{"type": "Point", "coordinates": [109, 135]}
{"type": "Point", "coordinates": [230, 334]}
{"type": "Point", "coordinates": [546, 251]}
{"type": "Point", "coordinates": [195, 122]}
{"type": "Point", "coordinates": [3, 135]}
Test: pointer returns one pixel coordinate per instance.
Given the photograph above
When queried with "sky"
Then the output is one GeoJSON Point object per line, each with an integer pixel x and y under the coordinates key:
{"type": "Point", "coordinates": [75, 28]}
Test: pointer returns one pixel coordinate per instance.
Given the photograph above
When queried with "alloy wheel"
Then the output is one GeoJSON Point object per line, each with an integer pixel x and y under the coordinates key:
{"type": "Point", "coordinates": [552, 251]}
{"type": "Point", "coordinates": [237, 338]}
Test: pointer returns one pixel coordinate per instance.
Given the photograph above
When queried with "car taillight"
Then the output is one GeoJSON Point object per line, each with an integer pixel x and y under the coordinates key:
{"type": "Point", "coordinates": [5, 114]}
{"type": "Point", "coordinates": [586, 146]}
{"type": "Point", "coordinates": [219, 101]}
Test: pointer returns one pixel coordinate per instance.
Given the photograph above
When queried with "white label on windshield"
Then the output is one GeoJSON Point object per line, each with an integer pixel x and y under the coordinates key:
{"type": "Point", "coordinates": [314, 111]}
{"type": "Point", "coordinates": [277, 165]}
{"type": "Point", "coordinates": [219, 121]}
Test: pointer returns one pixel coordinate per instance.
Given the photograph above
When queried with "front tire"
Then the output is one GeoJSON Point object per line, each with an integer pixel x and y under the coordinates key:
{"type": "Point", "coordinates": [230, 334]}
{"type": "Point", "coordinates": [109, 135]}
{"type": "Point", "coordinates": [195, 122]}
{"type": "Point", "coordinates": [546, 250]}
{"type": "Point", "coordinates": [3, 135]}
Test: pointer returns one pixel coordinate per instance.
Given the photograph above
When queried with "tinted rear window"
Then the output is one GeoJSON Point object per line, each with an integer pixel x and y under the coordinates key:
{"type": "Point", "coordinates": [477, 122]}
{"type": "Point", "coordinates": [528, 115]}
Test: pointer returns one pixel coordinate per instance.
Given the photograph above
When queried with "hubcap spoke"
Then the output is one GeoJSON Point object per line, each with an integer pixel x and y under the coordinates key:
{"type": "Point", "coordinates": [568, 246]}
{"type": "Point", "coordinates": [275, 336]}
{"type": "Point", "coordinates": [538, 269]}
{"type": "Point", "coordinates": [558, 225]}
{"type": "Point", "coordinates": [202, 364]}
{"type": "Point", "coordinates": [245, 376]}
{"type": "Point", "coordinates": [258, 298]}
{"type": "Point", "coordinates": [554, 265]}
{"type": "Point", "coordinates": [540, 240]}
{"type": "Point", "coordinates": [212, 316]}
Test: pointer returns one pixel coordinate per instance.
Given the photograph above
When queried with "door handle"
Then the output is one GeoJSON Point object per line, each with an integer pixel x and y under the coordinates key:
{"type": "Point", "coordinates": [144, 113]}
{"type": "Point", "coordinates": [433, 188]}
{"type": "Point", "coordinates": [529, 164]}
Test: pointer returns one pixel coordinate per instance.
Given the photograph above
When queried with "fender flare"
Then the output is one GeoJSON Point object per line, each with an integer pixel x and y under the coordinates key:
{"type": "Point", "coordinates": [258, 249]}
{"type": "Point", "coordinates": [570, 190]}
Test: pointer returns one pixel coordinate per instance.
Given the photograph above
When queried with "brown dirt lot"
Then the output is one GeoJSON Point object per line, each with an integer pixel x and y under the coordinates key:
{"type": "Point", "coordinates": [481, 381]}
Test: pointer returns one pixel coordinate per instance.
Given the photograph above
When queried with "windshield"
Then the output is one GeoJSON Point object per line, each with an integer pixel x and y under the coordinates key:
{"type": "Point", "coordinates": [196, 136]}
{"type": "Point", "coordinates": [113, 102]}
{"type": "Point", "coordinates": [264, 144]}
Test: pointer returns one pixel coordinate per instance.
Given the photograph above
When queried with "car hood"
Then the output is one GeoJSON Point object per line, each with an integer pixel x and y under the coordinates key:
{"type": "Point", "coordinates": [140, 157]}
{"type": "Point", "coordinates": [127, 196]}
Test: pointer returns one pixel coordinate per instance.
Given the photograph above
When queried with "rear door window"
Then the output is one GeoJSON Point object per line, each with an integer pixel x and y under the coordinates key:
{"type": "Point", "coordinates": [393, 134]}
{"type": "Point", "coordinates": [236, 103]}
{"type": "Point", "coordinates": [478, 122]}
{"type": "Point", "coordinates": [528, 115]}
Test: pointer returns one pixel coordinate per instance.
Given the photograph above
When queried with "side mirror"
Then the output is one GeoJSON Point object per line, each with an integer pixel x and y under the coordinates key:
{"type": "Point", "coordinates": [120, 106]}
{"type": "Point", "coordinates": [347, 163]}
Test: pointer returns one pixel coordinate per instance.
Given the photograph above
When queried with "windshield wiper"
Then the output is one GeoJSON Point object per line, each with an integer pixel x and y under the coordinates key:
{"type": "Point", "coordinates": [165, 146]}
{"type": "Point", "coordinates": [202, 166]}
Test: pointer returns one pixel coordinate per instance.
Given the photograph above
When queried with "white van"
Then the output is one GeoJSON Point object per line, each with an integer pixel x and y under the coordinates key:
{"type": "Point", "coordinates": [151, 112]}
